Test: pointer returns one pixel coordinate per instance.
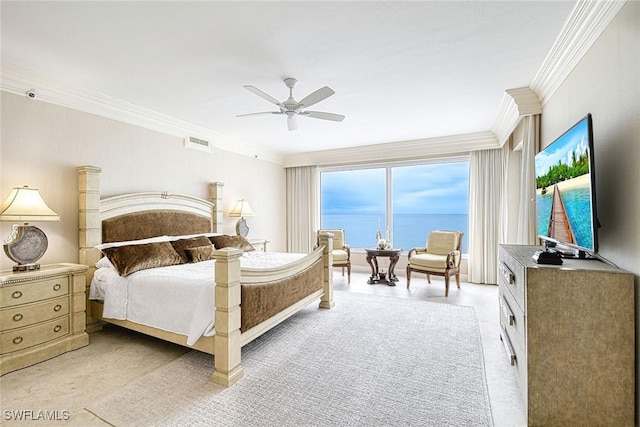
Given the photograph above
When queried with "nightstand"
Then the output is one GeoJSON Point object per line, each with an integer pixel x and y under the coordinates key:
{"type": "Point", "coordinates": [260, 245]}
{"type": "Point", "coordinates": [42, 314]}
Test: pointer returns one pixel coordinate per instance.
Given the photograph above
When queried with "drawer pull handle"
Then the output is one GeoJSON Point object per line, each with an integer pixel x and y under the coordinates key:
{"type": "Point", "coordinates": [58, 307]}
{"type": "Point", "coordinates": [57, 328]}
{"type": "Point", "coordinates": [57, 287]}
{"type": "Point", "coordinates": [17, 317]}
{"type": "Point", "coordinates": [16, 294]}
{"type": "Point", "coordinates": [506, 310]}
{"type": "Point", "coordinates": [508, 347]}
{"type": "Point", "coordinates": [507, 275]}
{"type": "Point", "coordinates": [17, 340]}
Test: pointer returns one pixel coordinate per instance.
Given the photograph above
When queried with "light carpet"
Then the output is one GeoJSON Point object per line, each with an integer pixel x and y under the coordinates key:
{"type": "Point", "coordinates": [369, 361]}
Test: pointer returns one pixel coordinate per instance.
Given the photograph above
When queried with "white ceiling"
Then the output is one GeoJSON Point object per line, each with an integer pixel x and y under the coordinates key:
{"type": "Point", "coordinates": [401, 70]}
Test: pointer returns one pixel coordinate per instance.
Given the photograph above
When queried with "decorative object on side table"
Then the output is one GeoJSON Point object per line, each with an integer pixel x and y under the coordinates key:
{"type": "Point", "coordinates": [27, 243]}
{"type": "Point", "coordinates": [383, 243]}
{"type": "Point", "coordinates": [241, 210]}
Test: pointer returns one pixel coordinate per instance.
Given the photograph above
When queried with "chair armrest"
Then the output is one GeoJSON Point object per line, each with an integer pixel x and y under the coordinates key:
{"type": "Point", "coordinates": [416, 251]}
{"type": "Point", "coordinates": [453, 259]}
{"type": "Point", "coordinates": [348, 250]}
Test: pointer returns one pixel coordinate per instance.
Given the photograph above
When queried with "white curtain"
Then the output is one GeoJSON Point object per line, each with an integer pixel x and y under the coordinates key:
{"type": "Point", "coordinates": [526, 228]}
{"type": "Point", "coordinates": [487, 212]}
{"type": "Point", "coordinates": [303, 207]}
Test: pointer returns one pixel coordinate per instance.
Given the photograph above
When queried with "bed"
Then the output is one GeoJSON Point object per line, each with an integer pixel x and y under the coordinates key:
{"type": "Point", "coordinates": [249, 294]}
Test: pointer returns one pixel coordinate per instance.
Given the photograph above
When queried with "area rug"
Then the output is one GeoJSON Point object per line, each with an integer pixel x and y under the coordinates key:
{"type": "Point", "coordinates": [369, 361]}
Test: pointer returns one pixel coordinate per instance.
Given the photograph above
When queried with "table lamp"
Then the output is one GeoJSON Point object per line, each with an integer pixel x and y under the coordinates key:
{"type": "Point", "coordinates": [241, 210]}
{"type": "Point", "coordinates": [26, 244]}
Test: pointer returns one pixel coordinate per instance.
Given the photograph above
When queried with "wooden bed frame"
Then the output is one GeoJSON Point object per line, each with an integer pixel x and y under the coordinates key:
{"type": "Point", "coordinates": [228, 340]}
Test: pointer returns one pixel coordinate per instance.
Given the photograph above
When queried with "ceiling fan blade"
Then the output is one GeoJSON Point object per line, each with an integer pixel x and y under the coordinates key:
{"type": "Point", "coordinates": [315, 97]}
{"type": "Point", "coordinates": [324, 116]}
{"type": "Point", "coordinates": [292, 122]}
{"type": "Point", "coordinates": [262, 94]}
{"type": "Point", "coordinates": [260, 114]}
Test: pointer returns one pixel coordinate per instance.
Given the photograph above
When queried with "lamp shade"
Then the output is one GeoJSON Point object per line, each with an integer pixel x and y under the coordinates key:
{"type": "Point", "coordinates": [241, 209]}
{"type": "Point", "coordinates": [25, 204]}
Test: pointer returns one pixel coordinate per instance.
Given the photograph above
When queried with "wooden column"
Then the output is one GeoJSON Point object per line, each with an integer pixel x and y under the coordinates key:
{"type": "Point", "coordinates": [215, 197]}
{"type": "Point", "coordinates": [89, 229]}
{"type": "Point", "coordinates": [326, 239]}
{"type": "Point", "coordinates": [227, 345]}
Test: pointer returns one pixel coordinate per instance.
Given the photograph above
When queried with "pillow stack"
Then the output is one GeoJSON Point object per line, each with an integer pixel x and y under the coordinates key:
{"type": "Point", "coordinates": [135, 255]}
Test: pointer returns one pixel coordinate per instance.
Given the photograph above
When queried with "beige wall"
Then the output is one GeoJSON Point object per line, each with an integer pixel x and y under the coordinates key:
{"type": "Point", "coordinates": [606, 83]}
{"type": "Point", "coordinates": [42, 144]}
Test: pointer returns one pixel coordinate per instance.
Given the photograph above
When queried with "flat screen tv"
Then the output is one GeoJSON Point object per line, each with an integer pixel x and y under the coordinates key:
{"type": "Point", "coordinates": [566, 192]}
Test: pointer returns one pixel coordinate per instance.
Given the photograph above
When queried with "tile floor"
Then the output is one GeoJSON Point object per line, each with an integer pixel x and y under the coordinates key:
{"type": "Point", "coordinates": [116, 357]}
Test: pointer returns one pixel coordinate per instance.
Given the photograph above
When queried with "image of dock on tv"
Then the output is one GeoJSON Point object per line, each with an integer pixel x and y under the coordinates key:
{"type": "Point", "coordinates": [565, 189]}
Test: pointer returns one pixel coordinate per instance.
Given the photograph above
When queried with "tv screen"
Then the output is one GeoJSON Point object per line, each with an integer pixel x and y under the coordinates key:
{"type": "Point", "coordinates": [565, 190]}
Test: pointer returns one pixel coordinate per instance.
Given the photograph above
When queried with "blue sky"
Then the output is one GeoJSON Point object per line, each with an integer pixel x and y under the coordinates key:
{"type": "Point", "coordinates": [424, 189]}
{"type": "Point", "coordinates": [576, 138]}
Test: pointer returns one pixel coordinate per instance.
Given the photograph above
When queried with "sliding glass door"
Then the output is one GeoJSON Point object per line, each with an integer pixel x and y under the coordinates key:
{"type": "Point", "coordinates": [408, 200]}
{"type": "Point", "coordinates": [354, 200]}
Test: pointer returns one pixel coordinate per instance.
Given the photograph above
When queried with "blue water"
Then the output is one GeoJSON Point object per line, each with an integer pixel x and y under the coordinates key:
{"type": "Point", "coordinates": [409, 231]}
{"type": "Point", "coordinates": [577, 202]}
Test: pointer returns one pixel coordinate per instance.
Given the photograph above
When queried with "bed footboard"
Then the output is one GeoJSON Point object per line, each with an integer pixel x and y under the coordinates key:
{"type": "Point", "coordinates": [228, 275]}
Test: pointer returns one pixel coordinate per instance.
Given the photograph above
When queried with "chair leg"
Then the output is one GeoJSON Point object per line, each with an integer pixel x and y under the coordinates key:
{"type": "Point", "coordinates": [446, 285]}
{"type": "Point", "coordinates": [428, 278]}
{"type": "Point", "coordinates": [408, 277]}
{"type": "Point", "coordinates": [348, 273]}
{"type": "Point", "coordinates": [458, 280]}
{"type": "Point", "coordinates": [342, 271]}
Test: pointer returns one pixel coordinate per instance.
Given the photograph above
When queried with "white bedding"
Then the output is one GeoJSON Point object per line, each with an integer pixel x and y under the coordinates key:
{"type": "Point", "coordinates": [178, 298]}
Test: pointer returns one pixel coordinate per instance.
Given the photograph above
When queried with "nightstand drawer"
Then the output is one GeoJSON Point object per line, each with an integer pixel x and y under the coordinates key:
{"type": "Point", "coordinates": [35, 313]}
{"type": "Point", "coordinates": [17, 339]}
{"type": "Point", "coordinates": [36, 290]}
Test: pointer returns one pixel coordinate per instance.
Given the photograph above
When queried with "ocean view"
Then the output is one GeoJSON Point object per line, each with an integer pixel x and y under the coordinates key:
{"type": "Point", "coordinates": [409, 230]}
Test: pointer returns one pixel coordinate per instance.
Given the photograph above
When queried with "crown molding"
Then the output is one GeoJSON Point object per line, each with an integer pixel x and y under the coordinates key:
{"type": "Point", "coordinates": [19, 80]}
{"type": "Point", "coordinates": [396, 151]}
{"type": "Point", "coordinates": [584, 25]}
{"type": "Point", "coordinates": [515, 104]}
{"type": "Point", "coordinates": [587, 21]}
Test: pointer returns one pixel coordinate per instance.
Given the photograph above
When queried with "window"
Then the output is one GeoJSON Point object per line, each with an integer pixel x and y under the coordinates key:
{"type": "Point", "coordinates": [409, 200]}
{"type": "Point", "coordinates": [355, 201]}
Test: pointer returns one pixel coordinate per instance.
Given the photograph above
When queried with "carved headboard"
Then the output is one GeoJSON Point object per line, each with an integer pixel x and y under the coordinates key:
{"type": "Point", "coordinates": [139, 215]}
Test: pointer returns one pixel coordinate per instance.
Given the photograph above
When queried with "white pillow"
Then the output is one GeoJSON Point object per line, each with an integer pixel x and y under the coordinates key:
{"type": "Point", "coordinates": [133, 242]}
{"type": "Point", "coordinates": [104, 263]}
{"type": "Point", "coordinates": [188, 236]}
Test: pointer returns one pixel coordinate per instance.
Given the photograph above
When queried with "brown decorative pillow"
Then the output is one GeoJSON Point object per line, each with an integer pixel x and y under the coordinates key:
{"type": "Point", "coordinates": [226, 241]}
{"type": "Point", "coordinates": [200, 253]}
{"type": "Point", "coordinates": [132, 258]}
{"type": "Point", "coordinates": [182, 244]}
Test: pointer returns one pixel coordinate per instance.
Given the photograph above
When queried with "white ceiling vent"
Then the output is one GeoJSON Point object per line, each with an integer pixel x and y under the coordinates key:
{"type": "Point", "coordinates": [197, 144]}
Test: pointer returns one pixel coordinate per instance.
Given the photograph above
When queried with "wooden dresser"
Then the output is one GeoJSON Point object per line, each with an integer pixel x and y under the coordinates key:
{"type": "Point", "coordinates": [569, 332]}
{"type": "Point", "coordinates": [42, 314]}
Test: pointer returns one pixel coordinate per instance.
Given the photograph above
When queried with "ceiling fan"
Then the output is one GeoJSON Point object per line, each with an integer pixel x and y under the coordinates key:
{"type": "Point", "coordinates": [292, 108]}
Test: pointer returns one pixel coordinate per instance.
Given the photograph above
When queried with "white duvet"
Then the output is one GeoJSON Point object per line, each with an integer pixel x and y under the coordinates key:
{"type": "Point", "coordinates": [178, 298]}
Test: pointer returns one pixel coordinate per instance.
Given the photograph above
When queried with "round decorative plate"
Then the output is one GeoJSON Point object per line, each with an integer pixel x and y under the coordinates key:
{"type": "Point", "coordinates": [242, 228]}
{"type": "Point", "coordinates": [28, 246]}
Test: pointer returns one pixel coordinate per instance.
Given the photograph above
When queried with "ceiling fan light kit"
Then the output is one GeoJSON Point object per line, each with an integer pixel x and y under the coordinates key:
{"type": "Point", "coordinates": [292, 108]}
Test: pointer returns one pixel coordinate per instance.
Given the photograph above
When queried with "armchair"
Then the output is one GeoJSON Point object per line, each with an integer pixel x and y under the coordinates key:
{"type": "Point", "coordinates": [441, 257]}
{"type": "Point", "coordinates": [341, 251]}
